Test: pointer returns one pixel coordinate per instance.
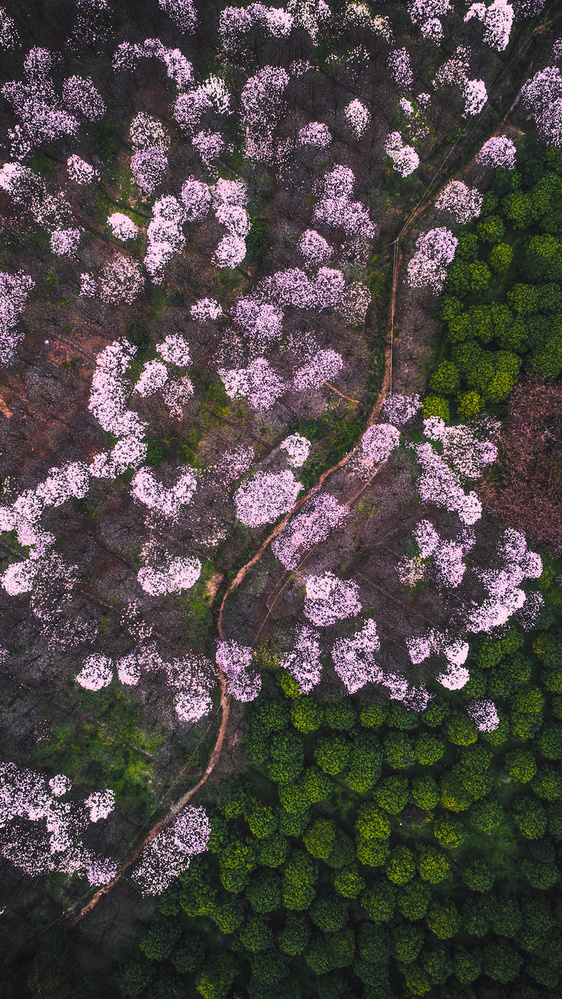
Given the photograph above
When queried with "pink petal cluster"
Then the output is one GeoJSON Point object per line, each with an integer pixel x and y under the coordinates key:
{"type": "Point", "coordinates": [542, 96]}
{"type": "Point", "coordinates": [316, 521]}
{"type": "Point", "coordinates": [261, 322]}
{"type": "Point", "coordinates": [174, 575]}
{"type": "Point", "coordinates": [82, 98]}
{"type": "Point", "coordinates": [379, 441]}
{"type": "Point", "coordinates": [354, 303]}
{"type": "Point", "coordinates": [426, 13]}
{"type": "Point", "coordinates": [464, 203]}
{"type": "Point", "coordinates": [169, 853]}
{"type": "Point", "coordinates": [79, 171]}
{"type": "Point", "coordinates": [262, 106]}
{"type": "Point", "coordinates": [454, 73]}
{"type": "Point", "coordinates": [64, 242]}
{"type": "Point", "coordinates": [148, 167]}
{"type": "Point", "coordinates": [209, 145]}
{"type": "Point", "coordinates": [110, 389]}
{"type": "Point", "coordinates": [190, 108]}
{"type": "Point", "coordinates": [258, 383]}
{"type": "Point", "coordinates": [244, 680]}
{"type": "Point", "coordinates": [316, 134]}
{"type": "Point", "coordinates": [358, 117]}
{"type": "Point", "coordinates": [97, 672]}
{"type": "Point", "coordinates": [499, 151]}
{"type": "Point", "coordinates": [303, 661]}
{"type": "Point", "coordinates": [329, 599]}
{"type": "Point", "coordinates": [121, 280]}
{"type": "Point", "coordinates": [9, 37]}
{"type": "Point", "coordinates": [177, 66]}
{"type": "Point", "coordinates": [314, 248]}
{"type": "Point", "coordinates": [475, 97]}
{"type": "Point", "coordinates": [404, 158]}
{"type": "Point", "coordinates": [196, 200]}
{"type": "Point", "coordinates": [400, 409]}
{"type": "Point", "coordinates": [183, 12]}
{"type": "Point", "coordinates": [324, 366]}
{"type": "Point", "coordinates": [41, 119]}
{"type": "Point", "coordinates": [439, 484]}
{"type": "Point", "coordinates": [265, 497]}
{"type": "Point", "coordinates": [14, 292]}
{"type": "Point", "coordinates": [51, 839]}
{"type": "Point", "coordinates": [297, 448]}
{"type": "Point", "coordinates": [400, 67]}
{"type": "Point", "coordinates": [428, 266]}
{"type": "Point", "coordinates": [101, 804]}
{"type": "Point", "coordinates": [206, 308]}
{"type": "Point", "coordinates": [354, 658]}
{"type": "Point", "coordinates": [122, 227]}
{"type": "Point", "coordinates": [293, 287]}
{"type": "Point", "coordinates": [146, 132]}
{"type": "Point", "coordinates": [336, 209]}
{"type": "Point", "coordinates": [175, 350]}
{"type": "Point", "coordinates": [312, 15]}
{"type": "Point", "coordinates": [484, 714]}
{"type": "Point", "coordinates": [497, 20]}
{"type": "Point", "coordinates": [147, 490]}
{"type": "Point", "coordinates": [165, 237]}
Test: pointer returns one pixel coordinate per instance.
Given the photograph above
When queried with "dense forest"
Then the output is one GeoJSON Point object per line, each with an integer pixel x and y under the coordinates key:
{"type": "Point", "coordinates": [280, 499]}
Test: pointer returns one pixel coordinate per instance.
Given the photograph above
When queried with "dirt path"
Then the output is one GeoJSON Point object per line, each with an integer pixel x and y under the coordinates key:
{"type": "Point", "coordinates": [173, 811]}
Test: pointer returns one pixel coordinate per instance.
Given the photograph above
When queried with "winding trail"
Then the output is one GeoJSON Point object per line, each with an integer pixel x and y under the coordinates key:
{"type": "Point", "coordinates": [173, 811]}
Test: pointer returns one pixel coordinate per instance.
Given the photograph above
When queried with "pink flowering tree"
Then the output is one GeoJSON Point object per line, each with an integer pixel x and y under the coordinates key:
{"type": "Point", "coordinates": [404, 157]}
{"type": "Point", "coordinates": [499, 151]}
{"type": "Point", "coordinates": [354, 658]}
{"type": "Point", "coordinates": [401, 68]}
{"type": "Point", "coordinates": [53, 838]}
{"type": "Point", "coordinates": [97, 672]}
{"type": "Point", "coordinates": [64, 242]}
{"type": "Point", "coordinates": [151, 493]}
{"type": "Point", "coordinates": [79, 171]}
{"type": "Point", "coordinates": [329, 599]}
{"type": "Point", "coordinates": [122, 227]}
{"type": "Point", "coordinates": [484, 714]}
{"type": "Point", "coordinates": [244, 680]}
{"type": "Point", "coordinates": [435, 250]}
{"type": "Point", "coordinates": [168, 855]}
{"type": "Point", "coordinates": [148, 167]}
{"type": "Point", "coordinates": [183, 12]}
{"type": "Point", "coordinates": [82, 98]}
{"type": "Point", "coordinates": [462, 202]}
{"type": "Point", "coordinates": [265, 497]}
{"type": "Point", "coordinates": [262, 106]}
{"type": "Point", "coordinates": [357, 117]}
{"type": "Point", "coordinates": [379, 441]}
{"type": "Point", "coordinates": [542, 96]}
{"type": "Point", "coordinates": [165, 236]}
{"type": "Point", "coordinates": [427, 14]}
{"type": "Point", "coordinates": [314, 248]}
{"type": "Point", "coordinates": [258, 383]}
{"type": "Point", "coordinates": [497, 20]}
{"type": "Point", "coordinates": [170, 576]}
{"type": "Point", "coordinates": [325, 365]}
{"type": "Point", "coordinates": [316, 521]}
{"type": "Point", "coordinates": [315, 134]}
{"type": "Point", "coordinates": [196, 200]}
{"type": "Point", "coordinates": [303, 661]}
{"type": "Point", "coordinates": [399, 409]}
{"type": "Point", "coordinates": [14, 293]}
